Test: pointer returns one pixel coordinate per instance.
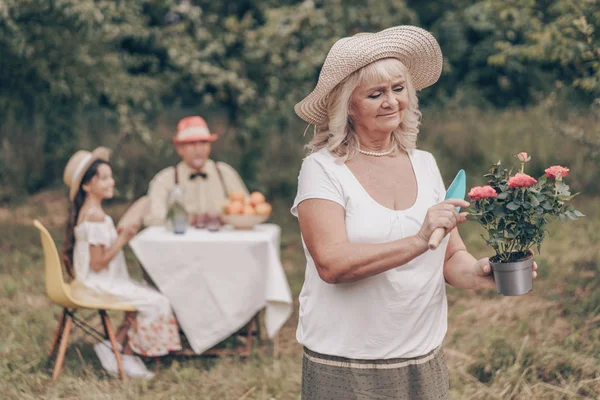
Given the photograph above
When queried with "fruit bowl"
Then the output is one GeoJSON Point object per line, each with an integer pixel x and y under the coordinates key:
{"type": "Point", "coordinates": [240, 221]}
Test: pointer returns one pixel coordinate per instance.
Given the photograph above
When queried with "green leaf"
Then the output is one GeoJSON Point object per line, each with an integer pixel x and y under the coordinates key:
{"type": "Point", "coordinates": [563, 189]}
{"type": "Point", "coordinates": [542, 179]}
{"type": "Point", "coordinates": [512, 206]}
{"type": "Point", "coordinates": [579, 213]}
{"type": "Point", "coordinates": [571, 215]}
{"type": "Point", "coordinates": [499, 212]}
{"type": "Point", "coordinates": [502, 196]}
{"type": "Point", "coordinates": [534, 201]}
{"type": "Point", "coordinates": [547, 206]}
{"type": "Point", "coordinates": [563, 197]}
{"type": "Point", "coordinates": [562, 217]}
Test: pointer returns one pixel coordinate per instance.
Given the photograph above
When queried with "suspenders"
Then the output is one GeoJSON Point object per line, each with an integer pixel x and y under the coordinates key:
{"type": "Point", "coordinates": [223, 185]}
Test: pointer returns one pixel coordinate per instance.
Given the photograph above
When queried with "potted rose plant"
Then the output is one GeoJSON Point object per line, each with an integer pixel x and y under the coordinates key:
{"type": "Point", "coordinates": [515, 210]}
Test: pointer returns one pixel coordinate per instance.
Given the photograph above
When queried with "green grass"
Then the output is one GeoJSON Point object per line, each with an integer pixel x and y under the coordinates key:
{"type": "Point", "coordinates": [545, 345]}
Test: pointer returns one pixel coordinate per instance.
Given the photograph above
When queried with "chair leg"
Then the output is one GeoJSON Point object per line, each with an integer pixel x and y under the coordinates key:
{"type": "Point", "coordinates": [257, 322]}
{"type": "Point", "coordinates": [249, 334]}
{"type": "Point", "coordinates": [103, 324]}
{"type": "Point", "coordinates": [64, 342]}
{"type": "Point", "coordinates": [59, 331]}
{"type": "Point", "coordinates": [113, 341]}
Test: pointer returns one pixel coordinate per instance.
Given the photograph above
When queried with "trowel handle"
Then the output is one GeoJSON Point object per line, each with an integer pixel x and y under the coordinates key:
{"type": "Point", "coordinates": [436, 238]}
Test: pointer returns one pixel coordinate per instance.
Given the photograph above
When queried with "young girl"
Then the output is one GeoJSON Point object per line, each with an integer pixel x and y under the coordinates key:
{"type": "Point", "coordinates": [93, 255]}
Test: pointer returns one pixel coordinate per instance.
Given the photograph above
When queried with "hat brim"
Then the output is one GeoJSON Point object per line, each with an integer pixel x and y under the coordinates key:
{"type": "Point", "coordinates": [100, 153]}
{"type": "Point", "coordinates": [416, 48]}
{"type": "Point", "coordinates": [211, 138]}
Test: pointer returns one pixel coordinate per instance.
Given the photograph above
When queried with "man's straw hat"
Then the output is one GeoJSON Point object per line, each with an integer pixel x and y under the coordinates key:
{"type": "Point", "coordinates": [77, 166]}
{"type": "Point", "coordinates": [416, 48]}
{"type": "Point", "coordinates": [193, 129]}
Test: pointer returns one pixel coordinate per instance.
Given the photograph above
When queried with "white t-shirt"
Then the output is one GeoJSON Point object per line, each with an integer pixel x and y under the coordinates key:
{"type": "Point", "coordinates": [399, 313]}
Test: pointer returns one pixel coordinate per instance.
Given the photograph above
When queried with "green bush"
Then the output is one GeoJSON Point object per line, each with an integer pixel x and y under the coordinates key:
{"type": "Point", "coordinates": [65, 64]}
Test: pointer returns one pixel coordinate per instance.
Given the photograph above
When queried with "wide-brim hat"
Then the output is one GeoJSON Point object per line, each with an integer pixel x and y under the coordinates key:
{"type": "Point", "coordinates": [77, 166]}
{"type": "Point", "coordinates": [416, 48]}
{"type": "Point", "coordinates": [193, 129]}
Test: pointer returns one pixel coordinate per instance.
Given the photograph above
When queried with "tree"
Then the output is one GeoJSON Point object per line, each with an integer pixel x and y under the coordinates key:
{"type": "Point", "coordinates": [560, 36]}
{"type": "Point", "coordinates": [63, 62]}
{"type": "Point", "coordinates": [63, 58]}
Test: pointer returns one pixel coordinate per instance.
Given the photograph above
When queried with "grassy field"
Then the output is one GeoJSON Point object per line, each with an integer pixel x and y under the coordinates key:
{"type": "Point", "coordinates": [545, 345]}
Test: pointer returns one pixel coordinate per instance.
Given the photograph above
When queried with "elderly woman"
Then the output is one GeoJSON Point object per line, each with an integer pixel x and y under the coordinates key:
{"type": "Point", "coordinates": [373, 309]}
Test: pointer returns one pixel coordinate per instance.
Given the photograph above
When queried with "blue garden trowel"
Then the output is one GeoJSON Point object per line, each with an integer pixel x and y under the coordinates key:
{"type": "Point", "coordinates": [456, 190]}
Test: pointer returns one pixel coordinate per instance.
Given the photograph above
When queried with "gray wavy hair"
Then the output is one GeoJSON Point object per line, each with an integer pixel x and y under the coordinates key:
{"type": "Point", "coordinates": [337, 133]}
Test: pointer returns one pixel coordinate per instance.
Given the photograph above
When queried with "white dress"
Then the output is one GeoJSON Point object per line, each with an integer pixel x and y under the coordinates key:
{"type": "Point", "coordinates": [155, 332]}
{"type": "Point", "coordinates": [399, 313]}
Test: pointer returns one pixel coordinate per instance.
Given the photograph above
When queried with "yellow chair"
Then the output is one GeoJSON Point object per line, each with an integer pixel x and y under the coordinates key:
{"type": "Point", "coordinates": [73, 296]}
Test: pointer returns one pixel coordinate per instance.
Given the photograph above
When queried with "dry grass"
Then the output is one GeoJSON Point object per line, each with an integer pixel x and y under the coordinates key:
{"type": "Point", "coordinates": [545, 345]}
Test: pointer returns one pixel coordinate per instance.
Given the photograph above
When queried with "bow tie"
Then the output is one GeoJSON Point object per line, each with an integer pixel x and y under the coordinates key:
{"type": "Point", "coordinates": [195, 175]}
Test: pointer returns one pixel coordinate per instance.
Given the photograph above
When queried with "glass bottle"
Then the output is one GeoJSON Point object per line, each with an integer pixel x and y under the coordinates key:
{"type": "Point", "coordinates": [177, 215]}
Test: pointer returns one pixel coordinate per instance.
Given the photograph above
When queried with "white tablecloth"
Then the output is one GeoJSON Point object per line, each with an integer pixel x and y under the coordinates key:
{"type": "Point", "coordinates": [217, 281]}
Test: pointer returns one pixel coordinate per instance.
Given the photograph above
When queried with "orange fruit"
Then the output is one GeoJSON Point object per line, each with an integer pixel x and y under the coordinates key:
{"type": "Point", "coordinates": [235, 207]}
{"type": "Point", "coordinates": [249, 210]}
{"type": "Point", "coordinates": [263, 209]}
{"type": "Point", "coordinates": [225, 207]}
{"type": "Point", "coordinates": [237, 195]}
{"type": "Point", "coordinates": [257, 198]}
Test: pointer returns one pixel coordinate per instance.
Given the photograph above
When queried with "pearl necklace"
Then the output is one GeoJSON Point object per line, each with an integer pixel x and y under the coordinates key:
{"type": "Point", "coordinates": [376, 154]}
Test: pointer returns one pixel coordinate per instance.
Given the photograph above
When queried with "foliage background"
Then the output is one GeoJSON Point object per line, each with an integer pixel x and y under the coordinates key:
{"type": "Point", "coordinates": [79, 73]}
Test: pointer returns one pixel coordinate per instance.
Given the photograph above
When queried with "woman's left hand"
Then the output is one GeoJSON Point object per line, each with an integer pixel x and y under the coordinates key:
{"type": "Point", "coordinates": [484, 278]}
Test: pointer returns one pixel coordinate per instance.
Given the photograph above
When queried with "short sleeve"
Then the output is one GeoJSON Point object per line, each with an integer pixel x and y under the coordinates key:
{"type": "Point", "coordinates": [316, 182]}
{"type": "Point", "coordinates": [98, 234]}
{"type": "Point", "coordinates": [158, 192]}
{"type": "Point", "coordinates": [438, 181]}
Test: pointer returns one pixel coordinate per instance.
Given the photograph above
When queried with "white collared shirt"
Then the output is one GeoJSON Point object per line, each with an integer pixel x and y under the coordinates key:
{"type": "Point", "coordinates": [201, 195]}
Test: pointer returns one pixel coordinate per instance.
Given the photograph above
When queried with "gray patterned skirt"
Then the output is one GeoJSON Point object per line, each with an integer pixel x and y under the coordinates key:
{"type": "Point", "coordinates": [337, 378]}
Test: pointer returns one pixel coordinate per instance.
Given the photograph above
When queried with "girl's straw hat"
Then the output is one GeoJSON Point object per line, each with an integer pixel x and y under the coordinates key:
{"type": "Point", "coordinates": [77, 166]}
{"type": "Point", "coordinates": [416, 48]}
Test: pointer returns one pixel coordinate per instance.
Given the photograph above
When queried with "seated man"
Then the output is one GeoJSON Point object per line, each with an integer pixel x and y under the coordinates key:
{"type": "Point", "coordinates": [206, 184]}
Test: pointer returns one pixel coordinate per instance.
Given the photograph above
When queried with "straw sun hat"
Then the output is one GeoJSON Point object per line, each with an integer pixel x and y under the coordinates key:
{"type": "Point", "coordinates": [416, 48]}
{"type": "Point", "coordinates": [77, 166]}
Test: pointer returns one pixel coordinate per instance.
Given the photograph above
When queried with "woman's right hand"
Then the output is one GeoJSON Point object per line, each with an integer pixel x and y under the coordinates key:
{"type": "Point", "coordinates": [443, 215]}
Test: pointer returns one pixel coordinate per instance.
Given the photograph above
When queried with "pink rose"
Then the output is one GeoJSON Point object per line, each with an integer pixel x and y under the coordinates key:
{"type": "Point", "coordinates": [521, 180]}
{"type": "Point", "coordinates": [523, 157]}
{"type": "Point", "coordinates": [556, 170]}
{"type": "Point", "coordinates": [482, 192]}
